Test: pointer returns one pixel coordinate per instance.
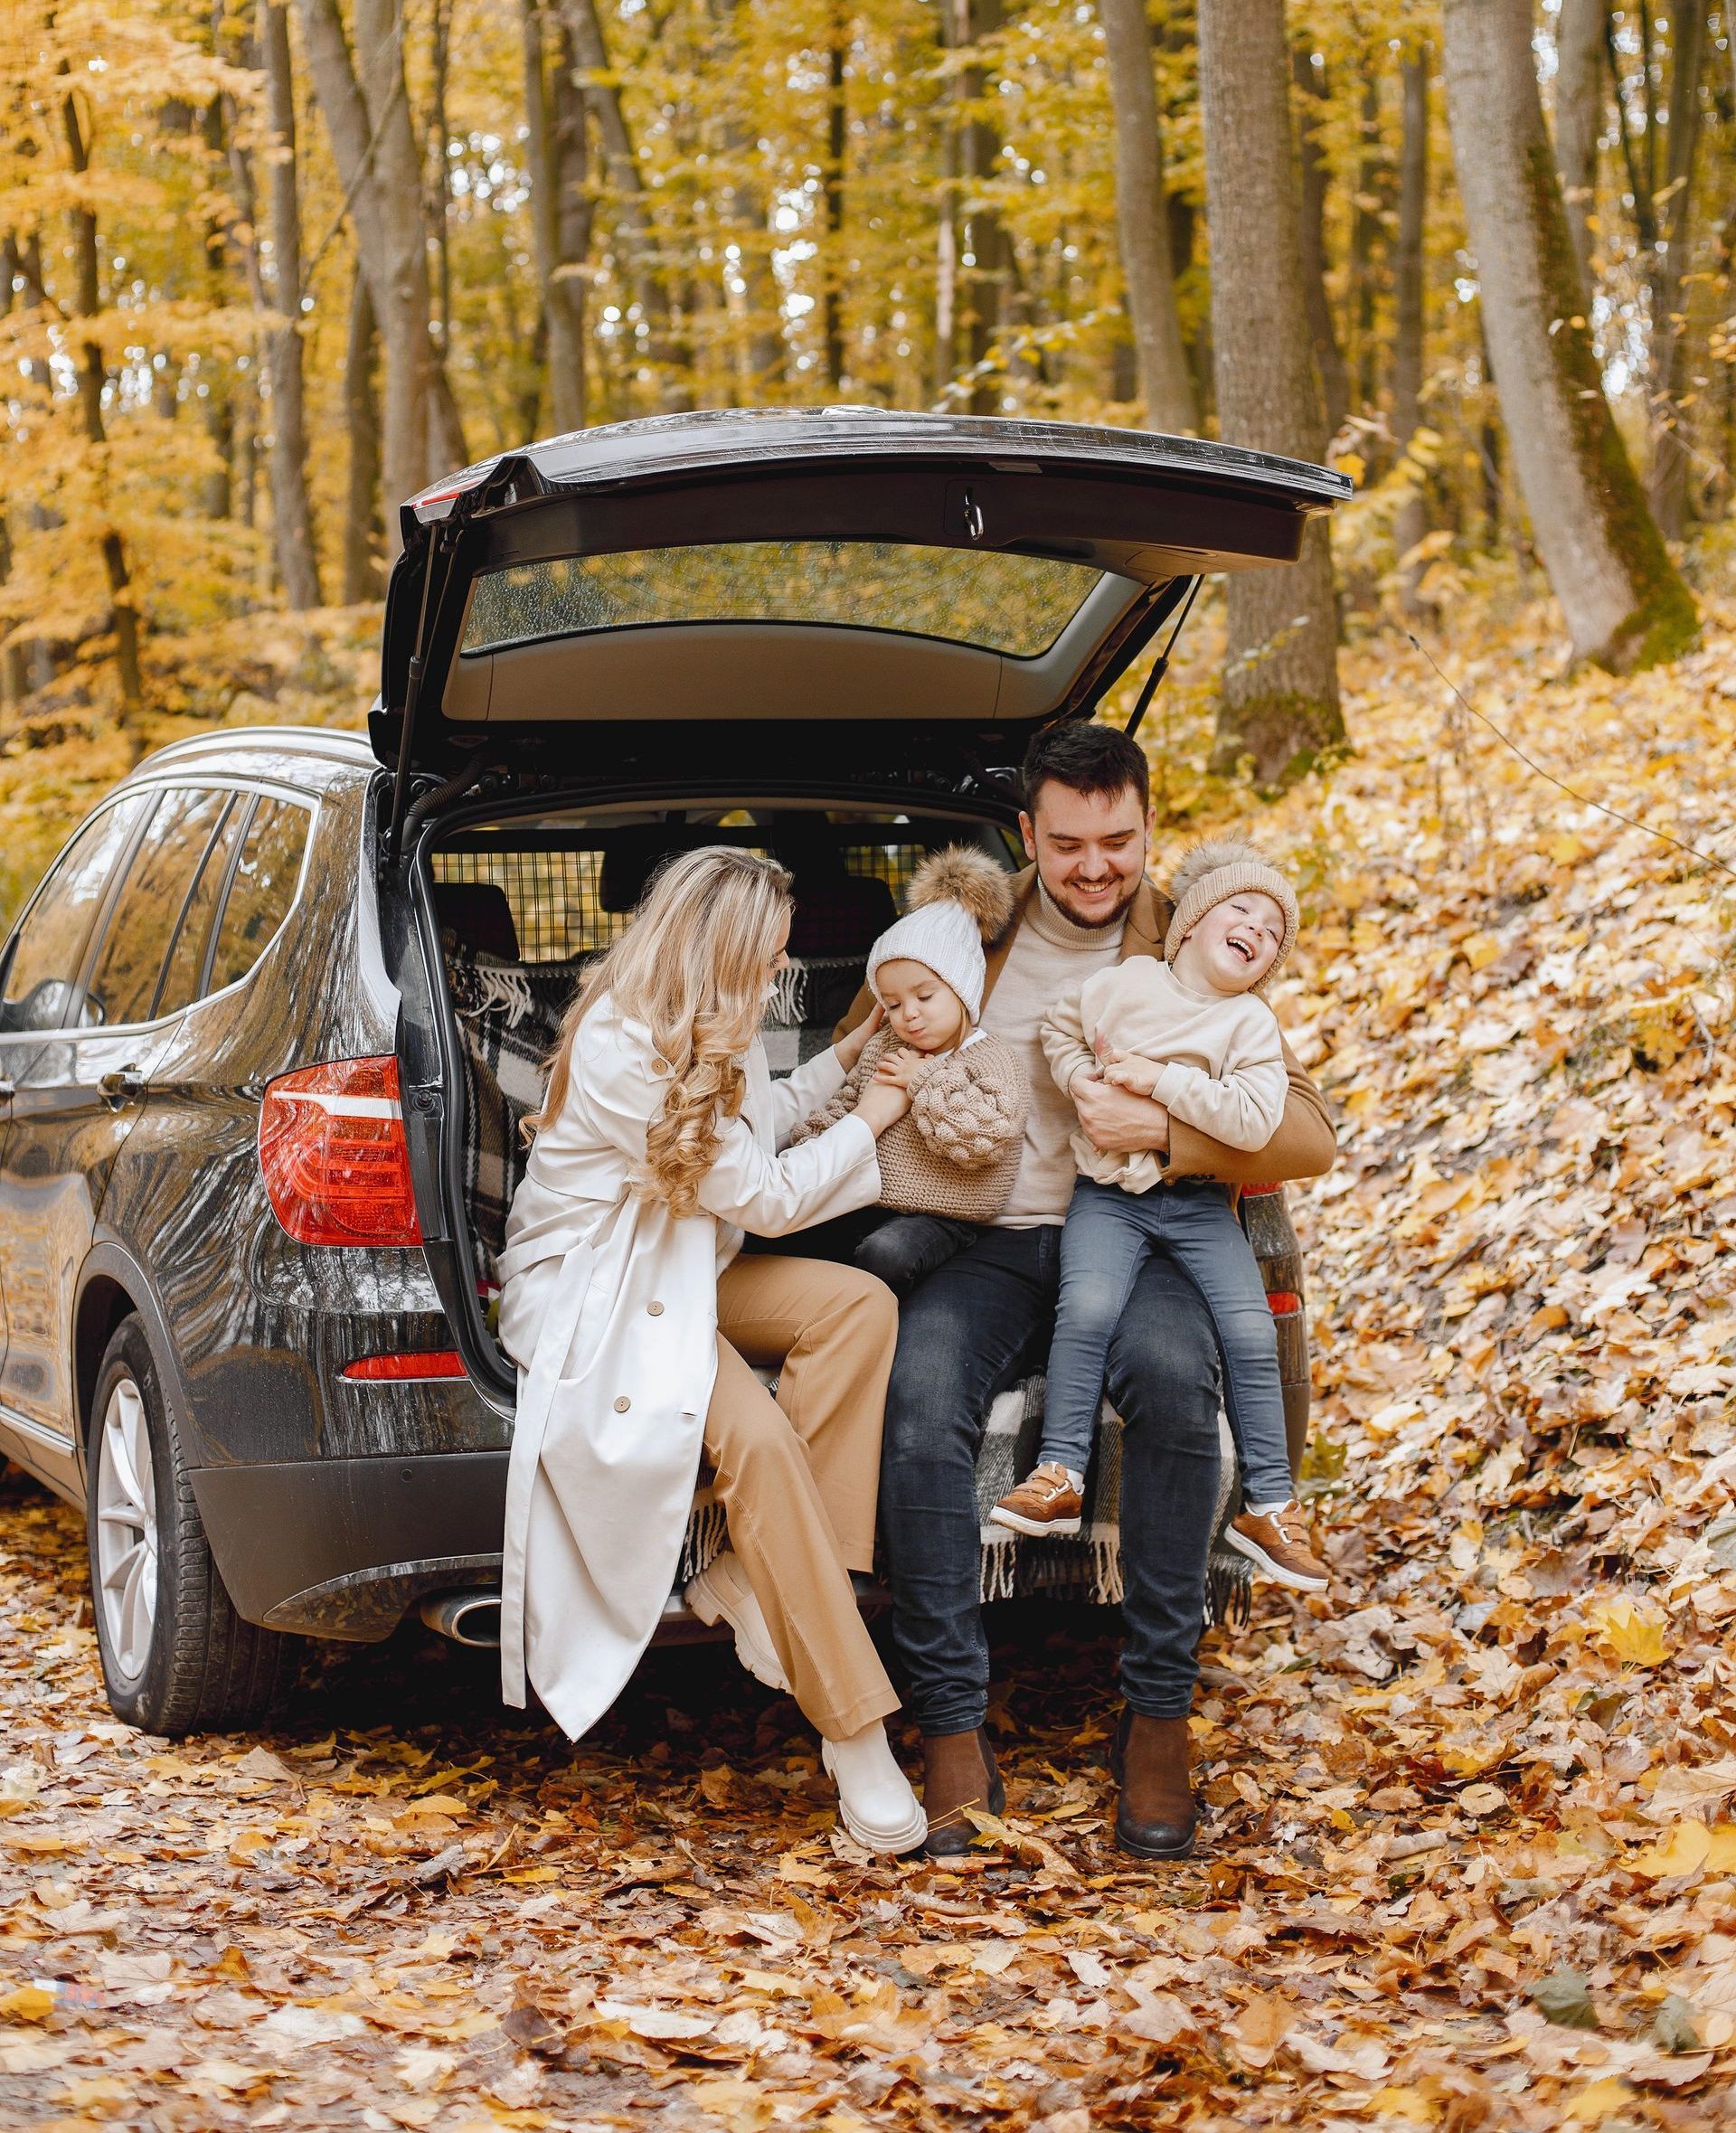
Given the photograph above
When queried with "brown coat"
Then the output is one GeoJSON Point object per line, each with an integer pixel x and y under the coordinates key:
{"type": "Point", "coordinates": [1304, 1145]}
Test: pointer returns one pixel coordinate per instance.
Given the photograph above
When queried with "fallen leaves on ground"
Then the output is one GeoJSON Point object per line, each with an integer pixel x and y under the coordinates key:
{"type": "Point", "coordinates": [1466, 1860]}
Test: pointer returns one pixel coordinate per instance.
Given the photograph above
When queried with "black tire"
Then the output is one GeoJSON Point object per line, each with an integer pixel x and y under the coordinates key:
{"type": "Point", "coordinates": [196, 1666]}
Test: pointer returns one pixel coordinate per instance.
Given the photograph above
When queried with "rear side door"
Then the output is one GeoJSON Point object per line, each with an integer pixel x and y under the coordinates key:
{"type": "Point", "coordinates": [79, 1095]}
{"type": "Point", "coordinates": [39, 996]}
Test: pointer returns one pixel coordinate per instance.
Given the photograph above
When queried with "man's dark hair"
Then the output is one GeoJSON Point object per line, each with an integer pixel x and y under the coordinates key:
{"type": "Point", "coordinates": [1088, 758]}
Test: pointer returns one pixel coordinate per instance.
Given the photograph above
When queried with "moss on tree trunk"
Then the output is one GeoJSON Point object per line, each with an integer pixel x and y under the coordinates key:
{"type": "Point", "coordinates": [1662, 623]}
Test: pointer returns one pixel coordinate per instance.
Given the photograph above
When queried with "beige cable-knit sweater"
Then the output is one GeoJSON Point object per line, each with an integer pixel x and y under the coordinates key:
{"type": "Point", "coordinates": [956, 1152]}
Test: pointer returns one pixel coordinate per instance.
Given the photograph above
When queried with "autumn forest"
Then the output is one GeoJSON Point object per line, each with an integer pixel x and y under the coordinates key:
{"type": "Point", "coordinates": [268, 268]}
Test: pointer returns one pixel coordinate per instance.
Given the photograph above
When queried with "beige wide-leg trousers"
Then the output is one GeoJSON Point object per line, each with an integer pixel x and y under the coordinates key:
{"type": "Point", "coordinates": [799, 1476]}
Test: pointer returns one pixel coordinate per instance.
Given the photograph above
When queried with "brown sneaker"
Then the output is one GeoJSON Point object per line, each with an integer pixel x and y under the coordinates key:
{"type": "Point", "coordinates": [1044, 1502]}
{"type": "Point", "coordinates": [1278, 1544]}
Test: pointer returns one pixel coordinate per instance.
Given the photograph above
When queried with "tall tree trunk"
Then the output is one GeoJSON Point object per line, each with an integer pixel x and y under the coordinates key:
{"type": "Point", "coordinates": [14, 678]}
{"type": "Point", "coordinates": [439, 177]}
{"type": "Point", "coordinates": [27, 255]}
{"type": "Point", "coordinates": [985, 255]}
{"type": "Point", "coordinates": [86, 304]}
{"type": "Point", "coordinates": [837, 122]}
{"type": "Point", "coordinates": [1323, 334]}
{"type": "Point", "coordinates": [1142, 219]}
{"type": "Point", "coordinates": [367, 115]}
{"type": "Point", "coordinates": [1410, 523]}
{"type": "Point", "coordinates": [244, 404]}
{"type": "Point", "coordinates": [635, 230]}
{"type": "Point", "coordinates": [1579, 117]}
{"type": "Point", "coordinates": [292, 523]}
{"type": "Point", "coordinates": [361, 579]}
{"type": "Point", "coordinates": [559, 207]}
{"type": "Point", "coordinates": [216, 498]}
{"type": "Point", "coordinates": [1280, 704]}
{"type": "Point", "coordinates": [14, 673]}
{"type": "Point", "coordinates": [758, 356]}
{"type": "Point", "coordinates": [1668, 480]}
{"type": "Point", "coordinates": [1624, 603]}
{"type": "Point", "coordinates": [946, 231]}
{"type": "Point", "coordinates": [1365, 233]}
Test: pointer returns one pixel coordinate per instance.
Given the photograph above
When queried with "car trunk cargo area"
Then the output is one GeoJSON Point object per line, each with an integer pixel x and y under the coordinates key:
{"type": "Point", "coordinates": [522, 905]}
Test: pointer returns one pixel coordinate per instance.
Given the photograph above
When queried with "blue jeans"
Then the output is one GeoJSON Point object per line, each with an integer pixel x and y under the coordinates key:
{"type": "Point", "coordinates": [905, 1249]}
{"type": "Point", "coordinates": [1110, 1235]}
{"type": "Point", "coordinates": [975, 1326]}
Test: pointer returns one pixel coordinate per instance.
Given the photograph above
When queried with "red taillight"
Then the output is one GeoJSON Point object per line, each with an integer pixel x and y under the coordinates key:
{"type": "Point", "coordinates": [434, 1363]}
{"type": "Point", "coordinates": [333, 1157]}
{"type": "Point", "coordinates": [1282, 1302]}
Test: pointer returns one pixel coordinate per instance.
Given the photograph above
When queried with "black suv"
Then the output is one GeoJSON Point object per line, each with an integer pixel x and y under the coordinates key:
{"type": "Point", "coordinates": [270, 1025]}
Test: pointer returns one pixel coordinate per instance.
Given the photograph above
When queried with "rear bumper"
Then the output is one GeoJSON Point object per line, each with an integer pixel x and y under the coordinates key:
{"type": "Point", "coordinates": [341, 1548]}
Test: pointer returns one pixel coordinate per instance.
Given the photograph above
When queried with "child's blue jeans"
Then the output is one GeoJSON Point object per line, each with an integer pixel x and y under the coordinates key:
{"type": "Point", "coordinates": [1108, 1236]}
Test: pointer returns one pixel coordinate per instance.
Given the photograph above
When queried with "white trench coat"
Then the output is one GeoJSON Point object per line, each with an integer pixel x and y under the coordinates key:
{"type": "Point", "coordinates": [608, 1307]}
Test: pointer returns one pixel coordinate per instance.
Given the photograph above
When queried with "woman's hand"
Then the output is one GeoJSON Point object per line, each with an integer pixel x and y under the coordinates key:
{"type": "Point", "coordinates": [849, 1048]}
{"type": "Point", "coordinates": [883, 1104]}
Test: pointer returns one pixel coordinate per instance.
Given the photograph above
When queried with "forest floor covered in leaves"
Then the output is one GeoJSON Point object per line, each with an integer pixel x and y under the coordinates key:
{"type": "Point", "coordinates": [1464, 1860]}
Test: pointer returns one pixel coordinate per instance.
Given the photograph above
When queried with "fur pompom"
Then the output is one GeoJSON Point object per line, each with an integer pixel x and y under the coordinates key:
{"type": "Point", "coordinates": [1205, 858]}
{"type": "Point", "coordinates": [962, 875]}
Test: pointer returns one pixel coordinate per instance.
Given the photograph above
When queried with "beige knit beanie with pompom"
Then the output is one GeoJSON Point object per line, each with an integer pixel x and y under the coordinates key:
{"type": "Point", "coordinates": [1211, 872]}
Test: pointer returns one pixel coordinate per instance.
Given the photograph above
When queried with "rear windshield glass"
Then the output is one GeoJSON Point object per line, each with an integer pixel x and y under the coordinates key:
{"type": "Point", "coordinates": [1017, 604]}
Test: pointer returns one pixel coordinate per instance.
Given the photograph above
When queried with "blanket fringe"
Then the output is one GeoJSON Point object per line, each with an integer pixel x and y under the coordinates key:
{"type": "Point", "coordinates": [1229, 1590]}
{"type": "Point", "coordinates": [998, 1575]}
{"type": "Point", "coordinates": [498, 991]}
{"type": "Point", "coordinates": [708, 1530]}
{"type": "Point", "coordinates": [788, 999]}
{"type": "Point", "coordinates": [1107, 1587]}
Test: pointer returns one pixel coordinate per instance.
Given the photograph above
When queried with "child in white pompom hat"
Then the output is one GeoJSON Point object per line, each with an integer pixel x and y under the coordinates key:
{"type": "Point", "coordinates": [949, 1165]}
{"type": "Point", "coordinates": [1194, 1033]}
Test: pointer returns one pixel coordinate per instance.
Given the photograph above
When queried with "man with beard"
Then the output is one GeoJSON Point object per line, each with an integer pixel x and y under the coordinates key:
{"type": "Point", "coordinates": [984, 1320]}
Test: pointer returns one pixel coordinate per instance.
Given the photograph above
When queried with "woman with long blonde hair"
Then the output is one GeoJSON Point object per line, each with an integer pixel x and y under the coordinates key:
{"type": "Point", "coordinates": [635, 1328]}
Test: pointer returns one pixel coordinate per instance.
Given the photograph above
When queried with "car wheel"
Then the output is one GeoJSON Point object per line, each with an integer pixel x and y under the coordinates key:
{"type": "Point", "coordinates": [176, 1658]}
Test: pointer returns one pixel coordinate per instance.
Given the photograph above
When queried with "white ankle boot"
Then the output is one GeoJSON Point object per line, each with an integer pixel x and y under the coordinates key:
{"type": "Point", "coordinates": [721, 1590]}
{"type": "Point", "coordinates": [876, 1803]}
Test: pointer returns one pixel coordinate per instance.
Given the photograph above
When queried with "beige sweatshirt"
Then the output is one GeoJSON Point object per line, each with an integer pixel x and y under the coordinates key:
{"type": "Point", "coordinates": [1050, 959]}
{"type": "Point", "coordinates": [1222, 1056]}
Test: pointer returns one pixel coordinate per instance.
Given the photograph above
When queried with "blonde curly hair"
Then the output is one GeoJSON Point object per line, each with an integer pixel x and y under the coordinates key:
{"type": "Point", "coordinates": [694, 965]}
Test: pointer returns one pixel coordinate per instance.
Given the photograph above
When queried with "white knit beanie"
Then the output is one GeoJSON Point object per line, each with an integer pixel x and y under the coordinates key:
{"type": "Point", "coordinates": [1213, 871]}
{"type": "Point", "coordinates": [958, 899]}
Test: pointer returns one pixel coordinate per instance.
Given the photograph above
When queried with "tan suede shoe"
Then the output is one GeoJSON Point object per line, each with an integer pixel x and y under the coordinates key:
{"type": "Point", "coordinates": [1277, 1545]}
{"type": "Point", "coordinates": [1044, 1502]}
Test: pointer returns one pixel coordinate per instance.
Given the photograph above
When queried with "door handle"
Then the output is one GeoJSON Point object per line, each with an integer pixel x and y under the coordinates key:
{"type": "Point", "coordinates": [126, 1085]}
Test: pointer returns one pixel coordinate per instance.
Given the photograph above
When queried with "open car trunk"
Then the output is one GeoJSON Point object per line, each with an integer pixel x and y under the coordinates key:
{"type": "Point", "coordinates": [821, 589]}
{"type": "Point", "coordinates": [828, 634]}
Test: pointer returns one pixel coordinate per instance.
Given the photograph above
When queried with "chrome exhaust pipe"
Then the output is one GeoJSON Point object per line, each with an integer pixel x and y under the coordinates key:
{"type": "Point", "coordinates": [471, 1618]}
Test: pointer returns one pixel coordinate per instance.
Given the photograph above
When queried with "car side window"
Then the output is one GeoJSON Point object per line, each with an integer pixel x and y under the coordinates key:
{"type": "Point", "coordinates": [188, 956]}
{"type": "Point", "coordinates": [142, 920]}
{"type": "Point", "coordinates": [262, 890]}
{"type": "Point", "coordinates": [42, 989]}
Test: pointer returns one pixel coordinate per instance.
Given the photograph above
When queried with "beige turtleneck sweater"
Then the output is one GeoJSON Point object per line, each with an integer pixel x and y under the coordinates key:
{"type": "Point", "coordinates": [1050, 959]}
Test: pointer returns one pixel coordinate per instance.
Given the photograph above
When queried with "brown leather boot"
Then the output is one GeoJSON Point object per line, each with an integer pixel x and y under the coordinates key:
{"type": "Point", "coordinates": [1155, 1817]}
{"type": "Point", "coordinates": [958, 1771]}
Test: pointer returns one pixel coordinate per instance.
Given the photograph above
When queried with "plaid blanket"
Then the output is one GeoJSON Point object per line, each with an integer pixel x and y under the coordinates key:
{"type": "Point", "coordinates": [508, 1015]}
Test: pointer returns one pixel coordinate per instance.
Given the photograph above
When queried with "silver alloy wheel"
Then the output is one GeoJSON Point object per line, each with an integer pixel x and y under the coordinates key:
{"type": "Point", "coordinates": [126, 1529]}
